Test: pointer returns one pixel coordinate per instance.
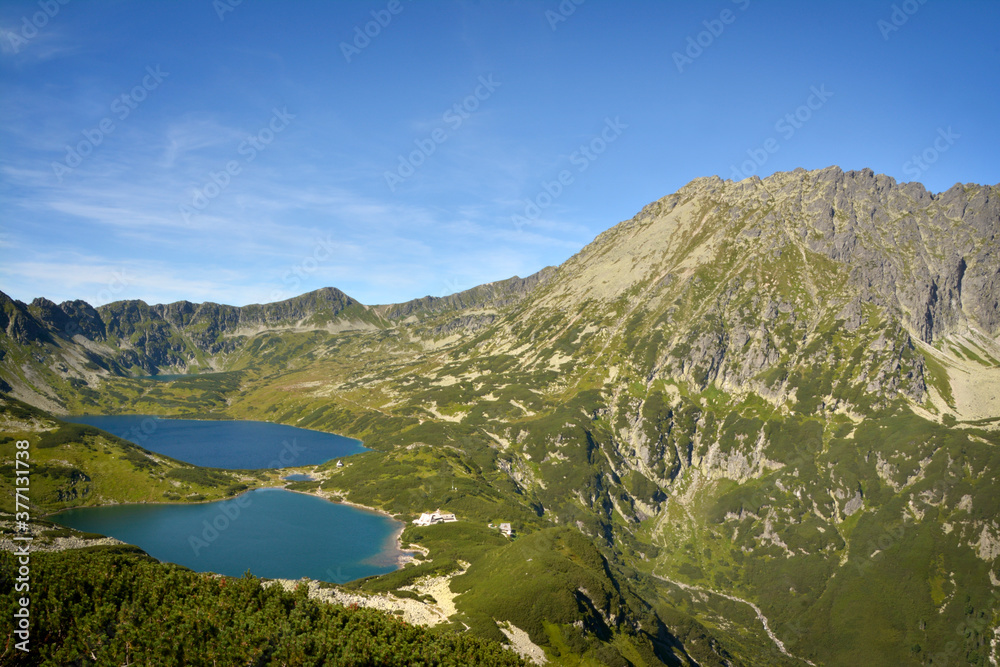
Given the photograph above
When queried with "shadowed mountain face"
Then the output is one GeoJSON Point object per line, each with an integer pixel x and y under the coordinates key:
{"type": "Point", "coordinates": [783, 392]}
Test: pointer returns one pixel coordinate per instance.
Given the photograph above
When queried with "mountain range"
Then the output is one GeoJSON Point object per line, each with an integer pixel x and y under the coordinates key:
{"type": "Point", "coordinates": [757, 423]}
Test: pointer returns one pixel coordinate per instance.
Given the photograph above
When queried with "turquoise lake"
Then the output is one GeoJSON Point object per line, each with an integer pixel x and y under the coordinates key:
{"type": "Point", "coordinates": [270, 532]}
{"type": "Point", "coordinates": [226, 444]}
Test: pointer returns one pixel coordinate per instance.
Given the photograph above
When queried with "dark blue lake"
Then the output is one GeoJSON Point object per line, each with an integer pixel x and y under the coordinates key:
{"type": "Point", "coordinates": [270, 532]}
{"type": "Point", "coordinates": [226, 444]}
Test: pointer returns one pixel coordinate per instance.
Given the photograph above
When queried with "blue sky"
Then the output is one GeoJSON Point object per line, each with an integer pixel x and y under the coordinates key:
{"type": "Point", "coordinates": [244, 152]}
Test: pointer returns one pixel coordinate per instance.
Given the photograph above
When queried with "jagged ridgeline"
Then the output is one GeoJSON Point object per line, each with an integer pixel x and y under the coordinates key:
{"type": "Point", "coordinates": [771, 408]}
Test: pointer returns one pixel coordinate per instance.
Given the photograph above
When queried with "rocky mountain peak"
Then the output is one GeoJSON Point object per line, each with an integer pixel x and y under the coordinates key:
{"type": "Point", "coordinates": [931, 259]}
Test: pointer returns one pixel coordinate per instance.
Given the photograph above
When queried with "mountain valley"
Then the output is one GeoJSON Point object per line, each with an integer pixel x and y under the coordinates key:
{"type": "Point", "coordinates": [757, 423]}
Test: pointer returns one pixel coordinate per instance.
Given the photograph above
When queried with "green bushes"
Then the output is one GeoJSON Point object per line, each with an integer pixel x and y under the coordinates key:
{"type": "Point", "coordinates": [112, 606]}
{"type": "Point", "coordinates": [201, 476]}
{"type": "Point", "coordinates": [61, 473]}
{"type": "Point", "coordinates": [65, 434]}
{"type": "Point", "coordinates": [139, 458]}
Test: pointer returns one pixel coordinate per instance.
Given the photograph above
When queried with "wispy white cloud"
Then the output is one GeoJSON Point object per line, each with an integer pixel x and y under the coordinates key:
{"type": "Point", "coordinates": [195, 133]}
{"type": "Point", "coordinates": [23, 42]}
{"type": "Point", "coordinates": [97, 280]}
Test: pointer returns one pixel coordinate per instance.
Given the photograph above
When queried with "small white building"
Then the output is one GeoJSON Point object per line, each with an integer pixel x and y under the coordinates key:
{"type": "Point", "coordinates": [431, 518]}
{"type": "Point", "coordinates": [340, 464]}
{"type": "Point", "coordinates": [506, 529]}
